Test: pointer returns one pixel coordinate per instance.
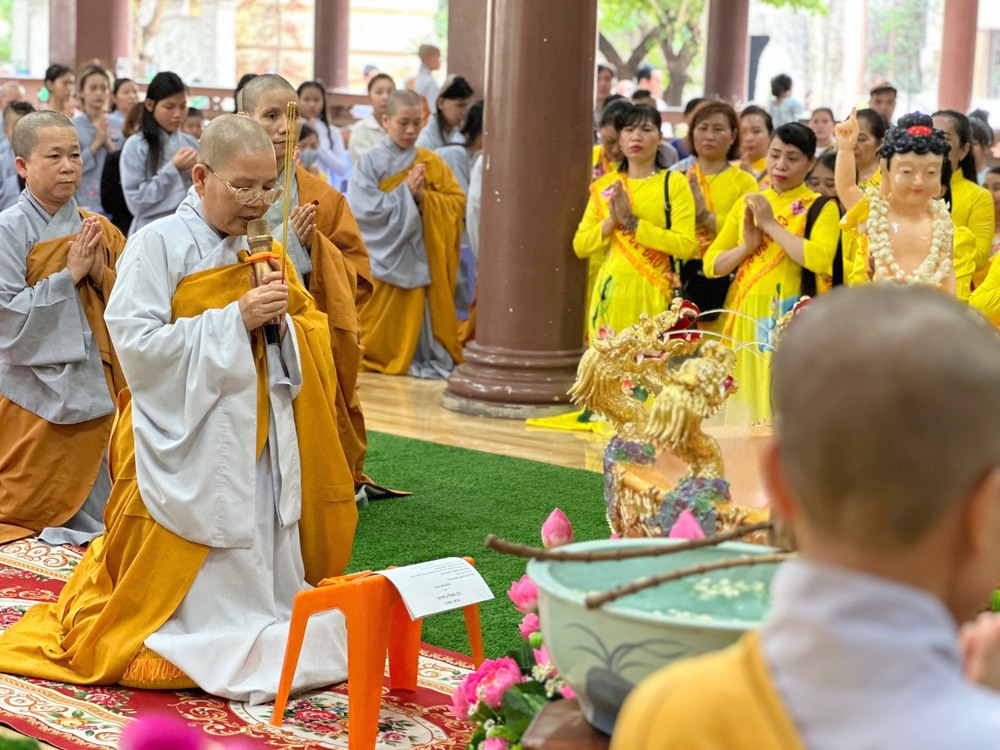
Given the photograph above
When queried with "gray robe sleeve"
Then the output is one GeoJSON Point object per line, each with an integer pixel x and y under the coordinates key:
{"type": "Point", "coordinates": [42, 324]}
{"type": "Point", "coordinates": [144, 195]}
{"type": "Point", "coordinates": [391, 225]}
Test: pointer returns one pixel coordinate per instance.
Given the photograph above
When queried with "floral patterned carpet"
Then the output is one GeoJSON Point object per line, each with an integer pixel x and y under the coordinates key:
{"type": "Point", "coordinates": [69, 716]}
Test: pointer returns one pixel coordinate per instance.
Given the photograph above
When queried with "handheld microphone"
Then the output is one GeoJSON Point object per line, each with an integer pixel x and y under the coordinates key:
{"type": "Point", "coordinates": [260, 240]}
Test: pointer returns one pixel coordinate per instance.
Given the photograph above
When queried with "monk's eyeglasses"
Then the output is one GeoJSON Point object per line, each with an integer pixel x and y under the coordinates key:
{"type": "Point", "coordinates": [249, 196]}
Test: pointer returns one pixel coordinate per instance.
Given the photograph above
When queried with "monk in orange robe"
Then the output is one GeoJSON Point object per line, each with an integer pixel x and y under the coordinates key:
{"type": "Point", "coordinates": [411, 211]}
{"type": "Point", "coordinates": [58, 371]}
{"type": "Point", "coordinates": [325, 245]}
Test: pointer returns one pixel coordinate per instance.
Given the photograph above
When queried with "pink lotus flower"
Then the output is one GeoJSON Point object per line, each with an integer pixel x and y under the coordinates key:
{"type": "Point", "coordinates": [542, 657]}
{"type": "Point", "coordinates": [567, 692]}
{"type": "Point", "coordinates": [460, 703]}
{"type": "Point", "coordinates": [494, 743]}
{"type": "Point", "coordinates": [495, 677]}
{"type": "Point", "coordinates": [557, 530]}
{"type": "Point", "coordinates": [687, 527]}
{"type": "Point", "coordinates": [524, 594]}
{"type": "Point", "coordinates": [530, 624]}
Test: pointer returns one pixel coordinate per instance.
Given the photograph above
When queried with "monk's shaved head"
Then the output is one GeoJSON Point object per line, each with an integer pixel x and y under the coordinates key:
{"type": "Point", "coordinates": [24, 138]}
{"type": "Point", "coordinates": [401, 98]}
{"type": "Point", "coordinates": [260, 84]}
{"type": "Point", "coordinates": [228, 136]}
{"type": "Point", "coordinates": [887, 410]}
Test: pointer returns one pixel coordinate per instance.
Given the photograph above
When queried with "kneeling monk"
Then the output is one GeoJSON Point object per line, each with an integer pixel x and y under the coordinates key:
{"type": "Point", "coordinates": [227, 495]}
{"type": "Point", "coordinates": [410, 209]}
{"type": "Point", "coordinates": [58, 373]}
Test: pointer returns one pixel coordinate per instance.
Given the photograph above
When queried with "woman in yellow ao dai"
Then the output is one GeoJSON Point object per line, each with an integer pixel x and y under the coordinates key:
{"type": "Point", "coordinates": [626, 221]}
{"type": "Point", "coordinates": [764, 241]}
{"type": "Point", "coordinates": [715, 183]}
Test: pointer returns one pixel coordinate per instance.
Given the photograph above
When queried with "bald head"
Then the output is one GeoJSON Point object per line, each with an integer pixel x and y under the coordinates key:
{"type": "Point", "coordinates": [251, 93]}
{"type": "Point", "coordinates": [401, 98]}
{"type": "Point", "coordinates": [229, 136]}
{"type": "Point", "coordinates": [887, 406]}
{"type": "Point", "coordinates": [26, 133]}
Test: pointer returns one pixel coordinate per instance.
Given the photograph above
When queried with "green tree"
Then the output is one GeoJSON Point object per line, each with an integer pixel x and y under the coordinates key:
{"type": "Point", "coordinates": [6, 29]}
{"type": "Point", "coordinates": [670, 27]}
{"type": "Point", "coordinates": [896, 31]}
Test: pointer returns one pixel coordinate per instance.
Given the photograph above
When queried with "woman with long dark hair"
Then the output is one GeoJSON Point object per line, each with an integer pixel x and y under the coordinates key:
{"type": "Point", "coordinates": [445, 125]}
{"type": "Point", "coordinates": [156, 162]}
{"type": "Point", "coordinates": [971, 205]}
{"type": "Point", "coordinates": [334, 161]}
{"type": "Point", "coordinates": [766, 242]}
{"type": "Point", "coordinates": [627, 223]}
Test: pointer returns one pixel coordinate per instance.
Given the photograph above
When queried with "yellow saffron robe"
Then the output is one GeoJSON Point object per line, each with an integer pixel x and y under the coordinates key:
{"type": "Point", "coordinates": [391, 321]}
{"type": "Point", "coordinates": [721, 701]}
{"type": "Point", "coordinates": [50, 468]}
{"type": "Point", "coordinates": [600, 167]}
{"type": "Point", "coordinates": [767, 285]}
{"type": "Point", "coordinates": [637, 275]}
{"type": "Point", "coordinates": [963, 251]}
{"type": "Point", "coordinates": [341, 281]}
{"type": "Point", "coordinates": [972, 207]}
{"type": "Point", "coordinates": [135, 575]}
{"type": "Point", "coordinates": [759, 168]}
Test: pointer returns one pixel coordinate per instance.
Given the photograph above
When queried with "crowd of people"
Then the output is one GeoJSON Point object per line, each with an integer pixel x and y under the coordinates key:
{"type": "Point", "coordinates": [190, 346]}
{"type": "Point", "coordinates": [774, 208]}
{"type": "Point", "coordinates": [146, 340]}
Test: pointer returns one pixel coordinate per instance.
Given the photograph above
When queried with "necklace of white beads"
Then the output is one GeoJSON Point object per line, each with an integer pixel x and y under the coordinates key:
{"type": "Point", "coordinates": [934, 268]}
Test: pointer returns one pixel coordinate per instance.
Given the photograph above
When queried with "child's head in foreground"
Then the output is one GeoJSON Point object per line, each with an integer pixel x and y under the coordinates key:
{"type": "Point", "coordinates": [887, 450]}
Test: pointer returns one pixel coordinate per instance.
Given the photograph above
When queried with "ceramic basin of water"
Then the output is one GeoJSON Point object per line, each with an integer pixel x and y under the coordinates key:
{"type": "Point", "coordinates": [603, 653]}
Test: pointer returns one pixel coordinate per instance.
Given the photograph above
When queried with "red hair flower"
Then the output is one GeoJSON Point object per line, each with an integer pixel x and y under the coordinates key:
{"type": "Point", "coordinates": [919, 130]}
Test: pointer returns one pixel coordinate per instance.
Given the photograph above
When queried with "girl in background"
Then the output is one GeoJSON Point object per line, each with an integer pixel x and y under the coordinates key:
{"type": "Point", "coordinates": [60, 85]}
{"type": "Point", "coordinates": [445, 125]}
{"type": "Point", "coordinates": [92, 130]}
{"type": "Point", "coordinates": [124, 94]}
{"type": "Point", "coordinates": [368, 133]}
{"type": "Point", "coordinates": [156, 162]}
{"type": "Point", "coordinates": [756, 129]}
{"type": "Point", "coordinates": [334, 161]}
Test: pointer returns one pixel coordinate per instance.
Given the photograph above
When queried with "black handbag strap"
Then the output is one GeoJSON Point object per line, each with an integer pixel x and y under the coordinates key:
{"type": "Point", "coordinates": [808, 277]}
{"type": "Point", "coordinates": [667, 210]}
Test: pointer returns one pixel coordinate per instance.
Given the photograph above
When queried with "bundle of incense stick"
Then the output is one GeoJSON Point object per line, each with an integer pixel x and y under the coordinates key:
{"type": "Point", "coordinates": [292, 132]}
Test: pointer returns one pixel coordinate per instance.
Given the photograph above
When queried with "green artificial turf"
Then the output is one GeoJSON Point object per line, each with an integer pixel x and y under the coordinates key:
{"type": "Point", "coordinates": [460, 496]}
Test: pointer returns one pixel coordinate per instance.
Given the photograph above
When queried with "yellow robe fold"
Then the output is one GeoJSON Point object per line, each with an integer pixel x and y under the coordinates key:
{"type": "Point", "coordinates": [391, 321]}
{"type": "Point", "coordinates": [50, 468]}
{"type": "Point", "coordinates": [721, 701]}
{"type": "Point", "coordinates": [341, 281]}
{"type": "Point", "coordinates": [134, 576]}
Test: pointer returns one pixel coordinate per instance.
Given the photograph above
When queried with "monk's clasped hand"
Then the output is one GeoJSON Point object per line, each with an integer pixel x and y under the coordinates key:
{"type": "Point", "coordinates": [303, 221]}
{"type": "Point", "coordinates": [83, 252]}
{"type": "Point", "coordinates": [264, 303]}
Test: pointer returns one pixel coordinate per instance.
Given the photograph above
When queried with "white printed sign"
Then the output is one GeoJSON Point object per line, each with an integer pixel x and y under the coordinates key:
{"type": "Point", "coordinates": [438, 586]}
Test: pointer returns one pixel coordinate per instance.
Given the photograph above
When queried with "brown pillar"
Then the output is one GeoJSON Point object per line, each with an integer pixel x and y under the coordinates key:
{"type": "Point", "coordinates": [62, 32]}
{"type": "Point", "coordinates": [332, 42]}
{"type": "Point", "coordinates": [467, 41]}
{"type": "Point", "coordinates": [958, 54]}
{"type": "Point", "coordinates": [102, 32]}
{"type": "Point", "coordinates": [531, 285]}
{"type": "Point", "coordinates": [727, 49]}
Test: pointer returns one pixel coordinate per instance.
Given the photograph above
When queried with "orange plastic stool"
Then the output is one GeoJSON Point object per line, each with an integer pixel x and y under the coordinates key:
{"type": "Point", "coordinates": [377, 623]}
